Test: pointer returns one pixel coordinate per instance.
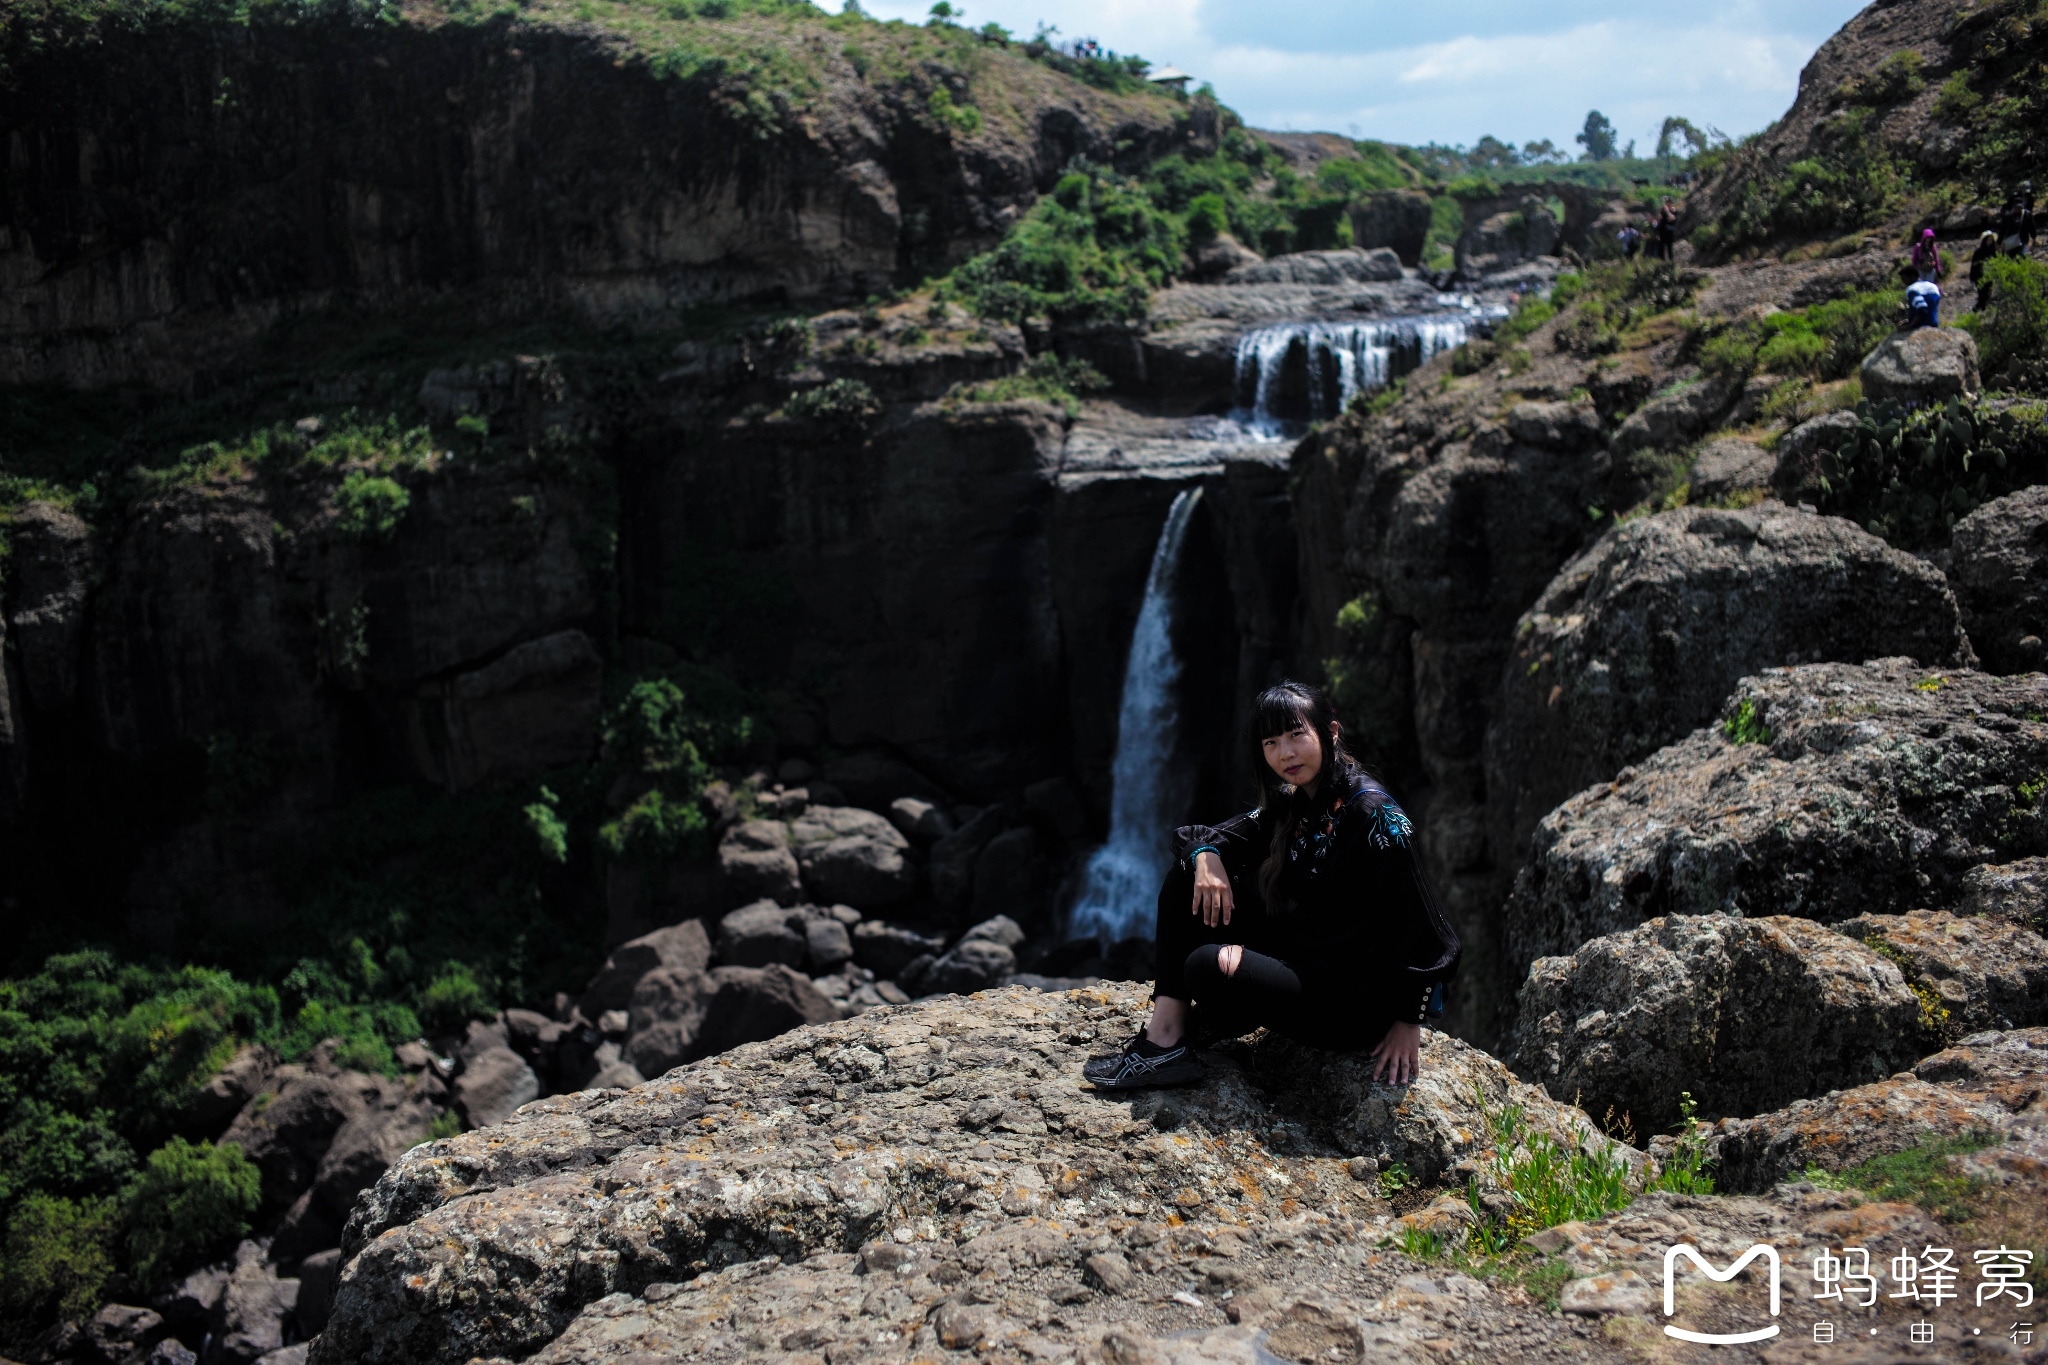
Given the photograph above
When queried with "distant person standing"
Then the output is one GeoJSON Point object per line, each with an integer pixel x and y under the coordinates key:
{"type": "Point", "coordinates": [1667, 233]}
{"type": "Point", "coordinates": [1986, 252]}
{"type": "Point", "coordinates": [2016, 223]}
{"type": "Point", "coordinates": [1926, 256]}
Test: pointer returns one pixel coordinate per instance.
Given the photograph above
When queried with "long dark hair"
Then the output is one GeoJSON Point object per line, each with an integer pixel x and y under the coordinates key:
{"type": "Point", "coordinates": [1278, 710]}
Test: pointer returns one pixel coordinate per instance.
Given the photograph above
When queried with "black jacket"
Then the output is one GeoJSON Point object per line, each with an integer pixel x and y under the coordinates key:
{"type": "Point", "coordinates": [1356, 907]}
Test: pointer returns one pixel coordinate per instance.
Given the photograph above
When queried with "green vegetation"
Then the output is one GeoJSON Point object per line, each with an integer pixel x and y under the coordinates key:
{"type": "Point", "coordinates": [55, 1260]}
{"type": "Point", "coordinates": [1922, 1175]}
{"type": "Point", "coordinates": [1685, 1170]}
{"type": "Point", "coordinates": [845, 405]}
{"type": "Point", "coordinates": [188, 1203]}
{"type": "Point", "coordinates": [1827, 341]}
{"type": "Point", "coordinates": [1909, 477]}
{"type": "Point", "coordinates": [1849, 182]}
{"type": "Point", "coordinates": [2012, 330]}
{"type": "Point", "coordinates": [368, 506]}
{"type": "Point", "coordinates": [2001, 94]}
{"type": "Point", "coordinates": [1746, 725]}
{"type": "Point", "coordinates": [1045, 378]}
{"type": "Point", "coordinates": [659, 737]}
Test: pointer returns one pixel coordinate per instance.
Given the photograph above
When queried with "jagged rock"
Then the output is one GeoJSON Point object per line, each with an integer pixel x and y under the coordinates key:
{"type": "Point", "coordinates": [1746, 1014]}
{"type": "Point", "coordinates": [191, 1300]}
{"type": "Point", "coordinates": [758, 934]}
{"type": "Point", "coordinates": [294, 1354]}
{"type": "Point", "coordinates": [616, 1075]}
{"type": "Point", "coordinates": [1998, 562]}
{"type": "Point", "coordinates": [1222, 254]}
{"type": "Point", "coordinates": [683, 945]}
{"type": "Point", "coordinates": [1006, 880]}
{"type": "Point", "coordinates": [1981, 973]}
{"type": "Point", "coordinates": [1397, 220]}
{"type": "Point", "coordinates": [592, 1196]}
{"type": "Point", "coordinates": [2015, 891]}
{"type": "Point", "coordinates": [50, 572]}
{"type": "Point", "coordinates": [1673, 419]}
{"type": "Point", "coordinates": [1555, 426]}
{"type": "Point", "coordinates": [1921, 366]}
{"type": "Point", "coordinates": [971, 965]}
{"type": "Point", "coordinates": [285, 1130]}
{"type": "Point", "coordinates": [317, 1276]}
{"type": "Point", "coordinates": [121, 1334]}
{"type": "Point", "coordinates": [1972, 1089]}
{"type": "Point", "coordinates": [249, 1322]}
{"type": "Point", "coordinates": [1640, 639]}
{"type": "Point", "coordinates": [921, 821]}
{"type": "Point", "coordinates": [171, 1351]}
{"type": "Point", "coordinates": [1860, 790]}
{"type": "Point", "coordinates": [996, 929]}
{"type": "Point", "coordinates": [750, 1004]}
{"type": "Point", "coordinates": [852, 855]}
{"type": "Point", "coordinates": [826, 943]}
{"type": "Point", "coordinates": [667, 1015]}
{"type": "Point", "coordinates": [755, 859]}
{"type": "Point", "coordinates": [214, 1105]}
{"type": "Point", "coordinates": [492, 1084]}
{"type": "Point", "coordinates": [886, 949]}
{"type": "Point", "coordinates": [1798, 472]}
{"type": "Point", "coordinates": [1728, 467]}
{"type": "Point", "coordinates": [953, 858]}
{"type": "Point", "coordinates": [363, 1147]}
{"type": "Point", "coordinates": [1350, 266]}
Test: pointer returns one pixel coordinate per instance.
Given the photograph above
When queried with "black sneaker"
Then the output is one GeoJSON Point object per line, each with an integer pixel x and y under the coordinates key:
{"type": "Point", "coordinates": [1143, 1064]}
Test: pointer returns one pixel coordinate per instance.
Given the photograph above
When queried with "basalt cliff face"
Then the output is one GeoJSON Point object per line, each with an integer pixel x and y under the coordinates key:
{"type": "Point", "coordinates": [493, 509]}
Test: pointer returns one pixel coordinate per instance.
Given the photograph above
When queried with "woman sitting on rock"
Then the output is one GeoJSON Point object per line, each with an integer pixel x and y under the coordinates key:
{"type": "Point", "coordinates": [1310, 915]}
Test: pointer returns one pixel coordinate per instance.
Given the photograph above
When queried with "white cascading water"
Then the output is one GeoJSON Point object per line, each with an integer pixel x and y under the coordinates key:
{"type": "Point", "coordinates": [1361, 353]}
{"type": "Point", "coordinates": [1122, 884]}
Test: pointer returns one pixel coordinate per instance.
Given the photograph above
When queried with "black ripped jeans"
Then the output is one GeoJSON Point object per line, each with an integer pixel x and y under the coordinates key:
{"type": "Point", "coordinates": [1265, 991]}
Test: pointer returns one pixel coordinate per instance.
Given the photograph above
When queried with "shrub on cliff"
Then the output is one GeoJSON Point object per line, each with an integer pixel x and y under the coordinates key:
{"type": "Point", "coordinates": [1096, 247]}
{"type": "Point", "coordinates": [189, 1202]}
{"type": "Point", "coordinates": [368, 506]}
{"type": "Point", "coordinates": [844, 404]}
{"type": "Point", "coordinates": [1911, 477]}
{"type": "Point", "coordinates": [1827, 341]}
{"type": "Point", "coordinates": [55, 1260]}
{"type": "Point", "coordinates": [1851, 181]}
{"type": "Point", "coordinates": [2012, 331]}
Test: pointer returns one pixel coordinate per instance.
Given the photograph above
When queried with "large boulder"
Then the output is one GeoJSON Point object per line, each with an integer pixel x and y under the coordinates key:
{"type": "Point", "coordinates": [684, 945]}
{"type": "Point", "coordinates": [1639, 640]}
{"type": "Point", "coordinates": [1922, 366]}
{"type": "Point", "coordinates": [1826, 791]}
{"type": "Point", "coordinates": [1973, 974]}
{"type": "Point", "coordinates": [952, 1138]}
{"type": "Point", "coordinates": [364, 1147]}
{"type": "Point", "coordinates": [666, 1017]}
{"type": "Point", "coordinates": [493, 1082]}
{"type": "Point", "coordinates": [756, 862]}
{"type": "Point", "coordinates": [953, 858]}
{"type": "Point", "coordinates": [1730, 468]}
{"type": "Point", "coordinates": [2016, 891]}
{"type": "Point", "coordinates": [285, 1128]}
{"type": "Point", "coordinates": [1673, 418]}
{"type": "Point", "coordinates": [886, 949]}
{"type": "Point", "coordinates": [1556, 426]}
{"type": "Point", "coordinates": [1968, 1092]}
{"type": "Point", "coordinates": [852, 856]}
{"type": "Point", "coordinates": [1745, 1014]}
{"type": "Point", "coordinates": [750, 1004]}
{"type": "Point", "coordinates": [758, 934]}
{"type": "Point", "coordinates": [1798, 473]}
{"type": "Point", "coordinates": [1998, 562]}
{"type": "Point", "coordinates": [214, 1105]}
{"type": "Point", "coordinates": [254, 1312]}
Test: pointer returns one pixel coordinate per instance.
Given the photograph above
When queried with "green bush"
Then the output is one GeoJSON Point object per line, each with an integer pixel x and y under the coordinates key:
{"type": "Point", "coordinates": [367, 506]}
{"type": "Point", "coordinates": [1094, 248]}
{"type": "Point", "coordinates": [55, 1261]}
{"type": "Point", "coordinates": [2012, 331]}
{"type": "Point", "coordinates": [1850, 182]}
{"type": "Point", "coordinates": [847, 404]}
{"type": "Point", "coordinates": [189, 1202]}
{"type": "Point", "coordinates": [1909, 477]}
{"type": "Point", "coordinates": [1828, 341]}
{"type": "Point", "coordinates": [1208, 217]}
{"type": "Point", "coordinates": [1746, 726]}
{"type": "Point", "coordinates": [954, 118]}
{"type": "Point", "coordinates": [1047, 378]}
{"type": "Point", "coordinates": [453, 998]}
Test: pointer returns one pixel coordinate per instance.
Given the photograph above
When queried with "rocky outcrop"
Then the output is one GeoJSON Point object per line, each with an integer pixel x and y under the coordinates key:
{"type": "Point", "coordinates": [1828, 791]}
{"type": "Point", "coordinates": [1974, 974]}
{"type": "Point", "coordinates": [1638, 641]}
{"type": "Point", "coordinates": [1998, 562]}
{"type": "Point", "coordinates": [1352, 266]}
{"type": "Point", "coordinates": [1744, 1014]}
{"type": "Point", "coordinates": [1990, 1086]}
{"type": "Point", "coordinates": [2014, 891]}
{"type": "Point", "coordinates": [928, 1143]}
{"type": "Point", "coordinates": [1729, 469]}
{"type": "Point", "coordinates": [1675, 418]}
{"type": "Point", "coordinates": [1923, 366]}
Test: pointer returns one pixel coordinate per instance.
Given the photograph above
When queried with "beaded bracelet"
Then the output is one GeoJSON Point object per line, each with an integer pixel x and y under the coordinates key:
{"type": "Point", "coordinates": [1199, 849]}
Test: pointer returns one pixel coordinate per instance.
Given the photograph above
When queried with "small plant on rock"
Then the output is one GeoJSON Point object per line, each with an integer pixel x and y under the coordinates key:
{"type": "Point", "coordinates": [368, 506]}
{"type": "Point", "coordinates": [1746, 726]}
{"type": "Point", "coordinates": [847, 404]}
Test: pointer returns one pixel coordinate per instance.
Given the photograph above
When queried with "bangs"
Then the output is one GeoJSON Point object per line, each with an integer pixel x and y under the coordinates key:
{"type": "Point", "coordinates": [1279, 712]}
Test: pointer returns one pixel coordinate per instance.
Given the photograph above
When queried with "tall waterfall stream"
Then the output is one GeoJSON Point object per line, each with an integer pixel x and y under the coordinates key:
{"type": "Point", "coordinates": [1122, 883]}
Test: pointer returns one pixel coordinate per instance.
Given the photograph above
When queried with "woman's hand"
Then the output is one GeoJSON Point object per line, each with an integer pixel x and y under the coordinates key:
{"type": "Point", "coordinates": [1399, 1056]}
{"type": "Point", "coordinates": [1213, 901]}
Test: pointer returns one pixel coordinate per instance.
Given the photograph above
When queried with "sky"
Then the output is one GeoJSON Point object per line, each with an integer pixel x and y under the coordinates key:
{"type": "Point", "coordinates": [1451, 71]}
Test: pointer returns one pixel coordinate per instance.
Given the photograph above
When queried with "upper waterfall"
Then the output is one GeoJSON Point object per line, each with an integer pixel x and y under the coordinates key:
{"type": "Point", "coordinates": [1341, 360]}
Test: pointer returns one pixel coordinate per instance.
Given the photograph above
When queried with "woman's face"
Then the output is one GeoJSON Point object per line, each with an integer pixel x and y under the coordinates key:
{"type": "Point", "coordinates": [1296, 757]}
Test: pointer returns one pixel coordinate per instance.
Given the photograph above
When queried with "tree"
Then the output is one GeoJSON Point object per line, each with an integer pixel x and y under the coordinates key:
{"type": "Point", "coordinates": [945, 13]}
{"type": "Point", "coordinates": [1683, 130]}
{"type": "Point", "coordinates": [1491, 154]}
{"type": "Point", "coordinates": [1544, 153]}
{"type": "Point", "coordinates": [1598, 137]}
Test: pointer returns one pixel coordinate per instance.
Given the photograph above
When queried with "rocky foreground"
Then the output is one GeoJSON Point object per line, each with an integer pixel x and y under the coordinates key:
{"type": "Point", "coordinates": [934, 1179]}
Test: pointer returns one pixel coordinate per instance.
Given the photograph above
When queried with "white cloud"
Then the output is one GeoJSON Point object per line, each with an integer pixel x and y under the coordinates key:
{"type": "Point", "coordinates": [1454, 70]}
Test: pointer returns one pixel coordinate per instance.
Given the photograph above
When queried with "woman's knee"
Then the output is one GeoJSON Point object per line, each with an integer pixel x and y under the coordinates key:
{"type": "Point", "coordinates": [1204, 967]}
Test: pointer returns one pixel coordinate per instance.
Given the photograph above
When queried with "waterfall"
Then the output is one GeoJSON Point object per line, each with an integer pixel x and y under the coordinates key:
{"type": "Point", "coordinates": [1122, 884]}
{"type": "Point", "coordinates": [1344, 360]}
